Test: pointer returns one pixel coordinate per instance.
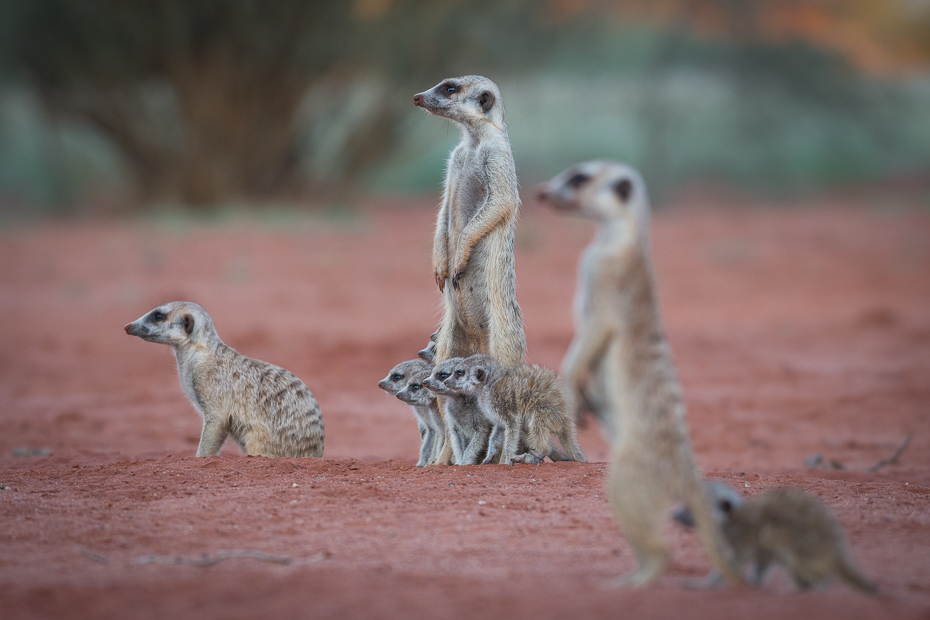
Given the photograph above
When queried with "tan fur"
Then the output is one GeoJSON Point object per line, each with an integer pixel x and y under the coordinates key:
{"type": "Point", "coordinates": [525, 404]}
{"type": "Point", "coordinates": [620, 346]}
{"type": "Point", "coordinates": [473, 245]}
{"type": "Point", "coordinates": [265, 409]}
{"type": "Point", "coordinates": [789, 527]}
{"type": "Point", "coordinates": [405, 381]}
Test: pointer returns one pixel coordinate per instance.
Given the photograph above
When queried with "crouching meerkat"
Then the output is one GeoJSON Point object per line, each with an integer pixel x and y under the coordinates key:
{"type": "Point", "coordinates": [621, 336]}
{"type": "Point", "coordinates": [525, 404]}
{"type": "Point", "coordinates": [783, 526]}
{"type": "Point", "coordinates": [473, 261]}
{"type": "Point", "coordinates": [466, 426]}
{"type": "Point", "coordinates": [265, 409]}
{"type": "Point", "coordinates": [405, 381]}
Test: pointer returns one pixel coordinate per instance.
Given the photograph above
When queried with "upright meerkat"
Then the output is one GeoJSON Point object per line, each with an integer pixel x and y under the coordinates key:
{"type": "Point", "coordinates": [785, 526]}
{"type": "Point", "coordinates": [405, 381]}
{"type": "Point", "coordinates": [525, 404]}
{"type": "Point", "coordinates": [473, 245]}
{"type": "Point", "coordinates": [466, 426]}
{"type": "Point", "coordinates": [265, 409]}
{"type": "Point", "coordinates": [621, 337]}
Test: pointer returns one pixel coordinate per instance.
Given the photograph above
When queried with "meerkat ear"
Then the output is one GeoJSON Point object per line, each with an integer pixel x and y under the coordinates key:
{"type": "Point", "coordinates": [623, 188]}
{"type": "Point", "coordinates": [480, 374]}
{"type": "Point", "coordinates": [726, 506]}
{"type": "Point", "coordinates": [188, 323]}
{"type": "Point", "coordinates": [486, 100]}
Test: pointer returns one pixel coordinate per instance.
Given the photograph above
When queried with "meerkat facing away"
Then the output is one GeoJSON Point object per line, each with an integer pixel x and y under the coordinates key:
{"type": "Point", "coordinates": [474, 240]}
{"type": "Point", "coordinates": [621, 335]}
{"type": "Point", "coordinates": [265, 409]}
{"type": "Point", "coordinates": [466, 426]}
{"type": "Point", "coordinates": [785, 526]}
{"type": "Point", "coordinates": [525, 404]}
{"type": "Point", "coordinates": [405, 381]}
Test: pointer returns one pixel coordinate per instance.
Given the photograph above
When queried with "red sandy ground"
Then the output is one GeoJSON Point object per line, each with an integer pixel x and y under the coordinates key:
{"type": "Point", "coordinates": [796, 331]}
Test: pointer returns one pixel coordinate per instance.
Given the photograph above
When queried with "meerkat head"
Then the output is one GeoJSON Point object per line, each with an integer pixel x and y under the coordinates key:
{"type": "Point", "coordinates": [470, 100]}
{"type": "Point", "coordinates": [415, 393]}
{"type": "Point", "coordinates": [474, 374]}
{"type": "Point", "coordinates": [429, 353]}
{"type": "Point", "coordinates": [599, 190]}
{"type": "Point", "coordinates": [176, 324]}
{"type": "Point", "coordinates": [436, 382]}
{"type": "Point", "coordinates": [400, 375]}
{"type": "Point", "coordinates": [724, 499]}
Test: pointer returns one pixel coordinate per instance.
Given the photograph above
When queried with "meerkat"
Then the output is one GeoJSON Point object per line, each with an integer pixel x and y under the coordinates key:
{"type": "Point", "coordinates": [265, 409]}
{"type": "Point", "coordinates": [466, 426]}
{"type": "Point", "coordinates": [525, 404]}
{"type": "Point", "coordinates": [784, 526]}
{"type": "Point", "coordinates": [621, 336]}
{"type": "Point", "coordinates": [473, 259]}
{"type": "Point", "coordinates": [405, 381]}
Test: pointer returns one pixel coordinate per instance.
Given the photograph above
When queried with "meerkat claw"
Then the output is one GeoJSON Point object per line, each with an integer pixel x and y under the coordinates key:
{"type": "Point", "coordinates": [455, 280]}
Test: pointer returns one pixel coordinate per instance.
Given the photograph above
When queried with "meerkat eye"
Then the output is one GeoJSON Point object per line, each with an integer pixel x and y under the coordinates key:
{"type": "Point", "coordinates": [415, 387]}
{"type": "Point", "coordinates": [443, 375]}
{"type": "Point", "coordinates": [623, 188]}
{"type": "Point", "coordinates": [459, 373]}
{"type": "Point", "coordinates": [396, 377]}
{"type": "Point", "coordinates": [577, 180]}
{"type": "Point", "coordinates": [450, 89]}
{"type": "Point", "coordinates": [157, 317]}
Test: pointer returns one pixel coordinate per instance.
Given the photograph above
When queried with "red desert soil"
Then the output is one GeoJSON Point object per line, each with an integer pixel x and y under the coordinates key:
{"type": "Point", "coordinates": [796, 330]}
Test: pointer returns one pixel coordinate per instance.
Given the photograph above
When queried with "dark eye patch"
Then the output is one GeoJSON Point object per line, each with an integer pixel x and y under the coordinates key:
{"type": "Point", "coordinates": [459, 373]}
{"type": "Point", "coordinates": [443, 375]}
{"type": "Point", "coordinates": [156, 317]}
{"type": "Point", "coordinates": [415, 387]}
{"type": "Point", "coordinates": [396, 377]}
{"type": "Point", "coordinates": [577, 180]}
{"type": "Point", "coordinates": [449, 88]}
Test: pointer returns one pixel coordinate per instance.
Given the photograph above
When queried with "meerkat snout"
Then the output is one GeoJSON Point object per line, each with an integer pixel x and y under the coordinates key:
{"type": "Point", "coordinates": [417, 99]}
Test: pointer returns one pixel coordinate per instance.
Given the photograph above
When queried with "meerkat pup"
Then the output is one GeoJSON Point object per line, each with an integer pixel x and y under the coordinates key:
{"type": "Point", "coordinates": [525, 404]}
{"type": "Point", "coordinates": [784, 526]}
{"type": "Point", "coordinates": [466, 426]}
{"type": "Point", "coordinates": [621, 337]}
{"type": "Point", "coordinates": [405, 381]}
{"type": "Point", "coordinates": [265, 409]}
{"type": "Point", "coordinates": [473, 260]}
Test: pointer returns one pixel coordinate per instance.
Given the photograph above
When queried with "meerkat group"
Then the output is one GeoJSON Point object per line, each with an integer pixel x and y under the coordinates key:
{"type": "Point", "coordinates": [476, 401]}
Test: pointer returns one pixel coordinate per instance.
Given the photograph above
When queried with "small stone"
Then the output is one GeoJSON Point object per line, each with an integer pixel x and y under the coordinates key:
{"type": "Point", "coordinates": [481, 502]}
{"type": "Point", "coordinates": [295, 485]}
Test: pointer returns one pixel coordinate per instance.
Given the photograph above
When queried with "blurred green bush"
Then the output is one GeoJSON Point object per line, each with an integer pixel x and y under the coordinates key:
{"type": "Point", "coordinates": [204, 102]}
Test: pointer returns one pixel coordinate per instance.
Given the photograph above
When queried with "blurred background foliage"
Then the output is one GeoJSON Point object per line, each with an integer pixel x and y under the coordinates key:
{"type": "Point", "coordinates": [210, 102]}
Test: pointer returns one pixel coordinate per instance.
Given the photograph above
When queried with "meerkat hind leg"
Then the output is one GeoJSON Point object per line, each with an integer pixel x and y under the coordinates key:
{"type": "Point", "coordinates": [638, 501]}
{"type": "Point", "coordinates": [495, 442]}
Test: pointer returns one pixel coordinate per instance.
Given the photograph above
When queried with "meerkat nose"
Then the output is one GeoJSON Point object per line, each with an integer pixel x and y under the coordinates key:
{"type": "Point", "coordinates": [541, 191]}
{"type": "Point", "coordinates": [128, 327]}
{"type": "Point", "coordinates": [417, 99]}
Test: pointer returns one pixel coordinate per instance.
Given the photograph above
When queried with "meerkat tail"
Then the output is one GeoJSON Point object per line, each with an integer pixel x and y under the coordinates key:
{"type": "Point", "coordinates": [851, 575]}
{"type": "Point", "coordinates": [708, 529]}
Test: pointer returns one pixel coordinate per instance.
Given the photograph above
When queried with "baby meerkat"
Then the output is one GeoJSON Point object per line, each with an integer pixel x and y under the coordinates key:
{"type": "Point", "coordinates": [620, 348]}
{"type": "Point", "coordinates": [525, 404]}
{"type": "Point", "coordinates": [405, 381]}
{"type": "Point", "coordinates": [265, 409]}
{"type": "Point", "coordinates": [474, 239]}
{"type": "Point", "coordinates": [466, 426]}
{"type": "Point", "coordinates": [784, 526]}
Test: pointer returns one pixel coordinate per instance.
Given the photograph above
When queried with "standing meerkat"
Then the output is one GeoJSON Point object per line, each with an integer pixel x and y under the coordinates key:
{"type": "Point", "coordinates": [784, 526]}
{"type": "Point", "coordinates": [473, 260]}
{"type": "Point", "coordinates": [466, 426]}
{"type": "Point", "coordinates": [525, 404]}
{"type": "Point", "coordinates": [405, 381]}
{"type": "Point", "coordinates": [621, 336]}
{"type": "Point", "coordinates": [265, 409]}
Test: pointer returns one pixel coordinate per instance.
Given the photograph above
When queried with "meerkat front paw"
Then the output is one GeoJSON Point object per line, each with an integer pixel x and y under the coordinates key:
{"type": "Point", "coordinates": [529, 458]}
